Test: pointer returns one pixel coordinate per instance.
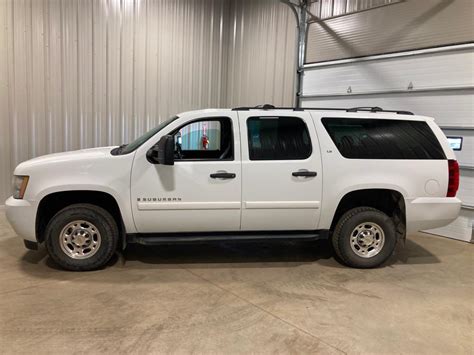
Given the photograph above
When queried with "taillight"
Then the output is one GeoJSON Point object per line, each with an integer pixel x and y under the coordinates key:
{"type": "Point", "coordinates": [453, 182]}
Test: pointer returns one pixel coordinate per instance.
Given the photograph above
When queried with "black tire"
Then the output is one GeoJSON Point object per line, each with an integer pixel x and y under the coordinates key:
{"type": "Point", "coordinates": [100, 218]}
{"type": "Point", "coordinates": [341, 238]}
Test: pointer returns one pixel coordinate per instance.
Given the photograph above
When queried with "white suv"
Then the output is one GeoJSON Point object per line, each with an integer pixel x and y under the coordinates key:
{"type": "Point", "coordinates": [363, 177]}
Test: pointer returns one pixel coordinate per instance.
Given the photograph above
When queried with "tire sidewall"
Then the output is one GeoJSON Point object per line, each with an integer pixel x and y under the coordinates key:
{"type": "Point", "coordinates": [97, 216]}
{"type": "Point", "coordinates": [344, 238]}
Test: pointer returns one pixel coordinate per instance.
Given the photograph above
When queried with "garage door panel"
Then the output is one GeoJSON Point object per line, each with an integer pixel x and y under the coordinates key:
{"type": "Point", "coordinates": [448, 108]}
{"type": "Point", "coordinates": [427, 71]}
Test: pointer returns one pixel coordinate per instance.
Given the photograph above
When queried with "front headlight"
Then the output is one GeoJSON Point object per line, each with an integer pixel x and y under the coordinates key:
{"type": "Point", "coordinates": [19, 186]}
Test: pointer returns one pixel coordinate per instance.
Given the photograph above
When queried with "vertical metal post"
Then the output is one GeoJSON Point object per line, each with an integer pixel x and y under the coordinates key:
{"type": "Point", "coordinates": [302, 33]}
{"type": "Point", "coordinates": [300, 11]}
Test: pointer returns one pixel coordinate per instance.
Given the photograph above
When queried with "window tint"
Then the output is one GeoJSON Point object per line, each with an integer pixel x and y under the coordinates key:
{"type": "Point", "coordinates": [207, 139]}
{"type": "Point", "coordinates": [278, 138]}
{"type": "Point", "coordinates": [383, 139]}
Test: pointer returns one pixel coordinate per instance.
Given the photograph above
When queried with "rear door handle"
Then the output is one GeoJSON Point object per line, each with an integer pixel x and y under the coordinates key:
{"type": "Point", "coordinates": [222, 176]}
{"type": "Point", "coordinates": [304, 173]}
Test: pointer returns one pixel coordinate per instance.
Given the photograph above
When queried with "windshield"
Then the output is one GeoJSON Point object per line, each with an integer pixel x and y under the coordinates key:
{"type": "Point", "coordinates": [142, 139]}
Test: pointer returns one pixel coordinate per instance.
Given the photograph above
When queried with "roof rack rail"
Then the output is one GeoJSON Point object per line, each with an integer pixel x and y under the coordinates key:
{"type": "Point", "coordinates": [378, 109]}
{"type": "Point", "coordinates": [258, 107]}
{"type": "Point", "coordinates": [271, 107]}
{"type": "Point", "coordinates": [365, 108]}
{"type": "Point", "coordinates": [352, 109]}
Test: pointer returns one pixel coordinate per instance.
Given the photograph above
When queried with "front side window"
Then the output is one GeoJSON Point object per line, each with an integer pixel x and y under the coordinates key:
{"type": "Point", "coordinates": [383, 139]}
{"type": "Point", "coordinates": [278, 138]}
{"type": "Point", "coordinates": [206, 139]}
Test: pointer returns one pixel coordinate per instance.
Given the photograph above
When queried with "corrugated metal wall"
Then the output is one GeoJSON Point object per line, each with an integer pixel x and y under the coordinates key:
{"type": "Point", "coordinates": [403, 25]}
{"type": "Point", "coordinates": [262, 53]}
{"type": "Point", "coordinates": [85, 73]}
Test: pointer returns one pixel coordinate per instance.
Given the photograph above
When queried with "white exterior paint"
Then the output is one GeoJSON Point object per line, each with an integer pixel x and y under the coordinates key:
{"type": "Point", "coordinates": [436, 82]}
{"type": "Point", "coordinates": [88, 169]}
{"type": "Point", "coordinates": [263, 196]}
{"type": "Point", "coordinates": [408, 177]}
{"type": "Point", "coordinates": [209, 204]}
{"type": "Point", "coordinates": [272, 197]}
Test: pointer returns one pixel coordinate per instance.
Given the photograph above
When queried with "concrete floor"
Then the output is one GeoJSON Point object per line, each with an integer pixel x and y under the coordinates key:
{"type": "Point", "coordinates": [239, 298]}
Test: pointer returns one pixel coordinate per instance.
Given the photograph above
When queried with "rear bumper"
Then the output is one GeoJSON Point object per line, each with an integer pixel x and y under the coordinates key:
{"type": "Point", "coordinates": [431, 212]}
{"type": "Point", "coordinates": [22, 216]}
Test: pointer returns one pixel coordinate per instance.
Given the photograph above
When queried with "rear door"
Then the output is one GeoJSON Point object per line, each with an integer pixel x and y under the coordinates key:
{"type": "Point", "coordinates": [281, 171]}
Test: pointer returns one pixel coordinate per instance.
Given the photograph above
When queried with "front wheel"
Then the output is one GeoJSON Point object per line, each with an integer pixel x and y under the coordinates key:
{"type": "Point", "coordinates": [364, 237]}
{"type": "Point", "coordinates": [81, 237]}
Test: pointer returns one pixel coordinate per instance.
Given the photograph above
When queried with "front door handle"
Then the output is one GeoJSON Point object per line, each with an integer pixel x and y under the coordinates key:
{"type": "Point", "coordinates": [304, 173]}
{"type": "Point", "coordinates": [222, 176]}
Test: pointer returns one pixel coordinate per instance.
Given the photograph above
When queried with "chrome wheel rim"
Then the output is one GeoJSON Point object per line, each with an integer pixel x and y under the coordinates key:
{"type": "Point", "coordinates": [367, 239]}
{"type": "Point", "coordinates": [80, 239]}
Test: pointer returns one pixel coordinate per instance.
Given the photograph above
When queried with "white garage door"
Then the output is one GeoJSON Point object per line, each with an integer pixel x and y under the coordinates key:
{"type": "Point", "coordinates": [436, 82]}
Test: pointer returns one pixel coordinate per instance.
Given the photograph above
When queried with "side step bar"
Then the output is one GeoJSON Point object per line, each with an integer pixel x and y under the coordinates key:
{"type": "Point", "coordinates": [175, 238]}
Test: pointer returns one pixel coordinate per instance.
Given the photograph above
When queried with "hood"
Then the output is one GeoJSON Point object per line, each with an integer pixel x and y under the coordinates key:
{"type": "Point", "coordinates": [83, 155]}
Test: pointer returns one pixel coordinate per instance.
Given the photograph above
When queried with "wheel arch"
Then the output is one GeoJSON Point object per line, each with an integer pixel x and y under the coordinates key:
{"type": "Point", "coordinates": [387, 200]}
{"type": "Point", "coordinates": [53, 202]}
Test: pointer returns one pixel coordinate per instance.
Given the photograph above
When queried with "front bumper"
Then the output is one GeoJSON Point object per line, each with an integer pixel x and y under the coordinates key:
{"type": "Point", "coordinates": [22, 216]}
{"type": "Point", "coordinates": [431, 212]}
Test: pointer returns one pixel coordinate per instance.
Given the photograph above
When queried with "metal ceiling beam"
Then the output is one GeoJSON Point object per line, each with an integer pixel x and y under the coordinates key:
{"type": "Point", "coordinates": [315, 18]}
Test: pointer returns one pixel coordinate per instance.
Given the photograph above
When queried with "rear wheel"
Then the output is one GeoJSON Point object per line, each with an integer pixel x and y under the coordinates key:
{"type": "Point", "coordinates": [81, 237]}
{"type": "Point", "coordinates": [364, 237]}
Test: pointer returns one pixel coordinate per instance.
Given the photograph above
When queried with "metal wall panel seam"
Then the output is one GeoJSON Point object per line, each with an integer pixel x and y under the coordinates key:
{"type": "Point", "coordinates": [5, 160]}
{"type": "Point", "coordinates": [8, 154]}
{"type": "Point", "coordinates": [31, 124]}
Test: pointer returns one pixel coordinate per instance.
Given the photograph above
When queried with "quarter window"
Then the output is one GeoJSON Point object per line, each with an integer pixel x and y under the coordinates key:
{"type": "Point", "coordinates": [278, 138]}
{"type": "Point", "coordinates": [383, 139]}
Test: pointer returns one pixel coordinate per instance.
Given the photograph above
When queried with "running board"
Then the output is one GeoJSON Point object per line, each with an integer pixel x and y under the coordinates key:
{"type": "Point", "coordinates": [176, 238]}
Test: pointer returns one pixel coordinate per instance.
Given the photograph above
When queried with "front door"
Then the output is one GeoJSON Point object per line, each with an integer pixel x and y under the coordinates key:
{"type": "Point", "coordinates": [202, 190]}
{"type": "Point", "coordinates": [281, 171]}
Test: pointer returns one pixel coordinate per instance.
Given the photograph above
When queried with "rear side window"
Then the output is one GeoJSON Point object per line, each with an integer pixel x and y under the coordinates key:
{"type": "Point", "coordinates": [278, 138]}
{"type": "Point", "coordinates": [383, 139]}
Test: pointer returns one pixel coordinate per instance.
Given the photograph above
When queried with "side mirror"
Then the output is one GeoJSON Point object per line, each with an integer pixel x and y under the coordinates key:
{"type": "Point", "coordinates": [162, 152]}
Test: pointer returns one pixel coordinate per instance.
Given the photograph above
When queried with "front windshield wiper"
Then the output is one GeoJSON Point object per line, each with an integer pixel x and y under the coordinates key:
{"type": "Point", "coordinates": [118, 150]}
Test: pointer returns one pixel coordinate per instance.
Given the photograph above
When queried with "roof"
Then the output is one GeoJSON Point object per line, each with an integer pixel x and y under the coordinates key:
{"type": "Point", "coordinates": [353, 112]}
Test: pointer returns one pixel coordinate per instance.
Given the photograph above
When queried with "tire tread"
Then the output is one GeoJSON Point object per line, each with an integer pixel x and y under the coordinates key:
{"type": "Point", "coordinates": [94, 263]}
{"type": "Point", "coordinates": [337, 237]}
